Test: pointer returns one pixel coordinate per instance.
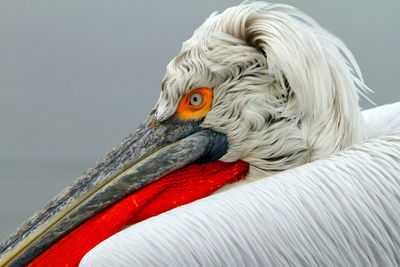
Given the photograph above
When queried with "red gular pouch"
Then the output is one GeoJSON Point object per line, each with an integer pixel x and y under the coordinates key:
{"type": "Point", "coordinates": [178, 188]}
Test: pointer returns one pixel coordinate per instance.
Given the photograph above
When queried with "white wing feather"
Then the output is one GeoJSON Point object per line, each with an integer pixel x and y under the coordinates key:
{"type": "Point", "coordinates": [340, 211]}
{"type": "Point", "coordinates": [382, 120]}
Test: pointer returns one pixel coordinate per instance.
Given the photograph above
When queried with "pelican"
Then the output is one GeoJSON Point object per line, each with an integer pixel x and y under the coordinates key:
{"type": "Point", "coordinates": [259, 91]}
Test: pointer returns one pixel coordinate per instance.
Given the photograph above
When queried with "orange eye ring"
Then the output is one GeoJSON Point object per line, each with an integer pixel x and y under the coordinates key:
{"type": "Point", "coordinates": [195, 105]}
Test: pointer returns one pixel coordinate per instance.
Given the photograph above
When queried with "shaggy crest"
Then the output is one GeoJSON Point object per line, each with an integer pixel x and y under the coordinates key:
{"type": "Point", "coordinates": [285, 89]}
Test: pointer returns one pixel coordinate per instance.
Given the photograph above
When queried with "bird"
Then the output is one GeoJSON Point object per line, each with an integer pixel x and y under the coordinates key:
{"type": "Point", "coordinates": [338, 211]}
{"type": "Point", "coordinates": [258, 120]}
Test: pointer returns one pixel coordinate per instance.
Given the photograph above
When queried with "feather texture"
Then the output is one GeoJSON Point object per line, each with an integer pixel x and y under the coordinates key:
{"type": "Point", "coordinates": [382, 120]}
{"type": "Point", "coordinates": [339, 211]}
{"type": "Point", "coordinates": [285, 93]}
{"type": "Point", "coordinates": [285, 89]}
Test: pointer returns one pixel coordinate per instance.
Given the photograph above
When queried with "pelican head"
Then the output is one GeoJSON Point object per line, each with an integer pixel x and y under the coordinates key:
{"type": "Point", "coordinates": [261, 83]}
{"type": "Point", "coordinates": [285, 91]}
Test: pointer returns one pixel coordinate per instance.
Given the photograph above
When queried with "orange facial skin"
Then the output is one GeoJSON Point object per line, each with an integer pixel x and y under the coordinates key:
{"type": "Point", "coordinates": [187, 111]}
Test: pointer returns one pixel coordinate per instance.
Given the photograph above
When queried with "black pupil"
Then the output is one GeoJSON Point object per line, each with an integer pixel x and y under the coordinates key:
{"type": "Point", "coordinates": [195, 99]}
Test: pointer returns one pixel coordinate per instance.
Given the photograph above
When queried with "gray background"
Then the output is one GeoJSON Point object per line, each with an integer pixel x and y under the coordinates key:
{"type": "Point", "coordinates": [77, 76]}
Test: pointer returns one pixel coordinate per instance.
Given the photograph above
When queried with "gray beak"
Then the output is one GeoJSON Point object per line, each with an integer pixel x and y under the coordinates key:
{"type": "Point", "coordinates": [152, 151]}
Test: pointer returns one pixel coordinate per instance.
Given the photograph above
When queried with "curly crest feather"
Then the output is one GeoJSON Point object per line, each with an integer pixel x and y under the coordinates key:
{"type": "Point", "coordinates": [285, 89]}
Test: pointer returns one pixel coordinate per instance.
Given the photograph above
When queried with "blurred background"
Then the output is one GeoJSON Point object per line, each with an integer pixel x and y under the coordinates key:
{"type": "Point", "coordinates": [76, 77]}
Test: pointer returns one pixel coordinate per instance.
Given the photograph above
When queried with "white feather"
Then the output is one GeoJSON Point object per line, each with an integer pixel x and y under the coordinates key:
{"type": "Point", "coordinates": [285, 90]}
{"type": "Point", "coordinates": [382, 120]}
{"type": "Point", "coordinates": [338, 211]}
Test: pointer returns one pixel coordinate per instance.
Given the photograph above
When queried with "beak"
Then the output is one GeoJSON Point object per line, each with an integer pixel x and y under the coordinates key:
{"type": "Point", "coordinates": [152, 151]}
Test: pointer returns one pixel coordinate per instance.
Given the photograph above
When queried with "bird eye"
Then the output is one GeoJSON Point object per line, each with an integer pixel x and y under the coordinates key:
{"type": "Point", "coordinates": [195, 105]}
{"type": "Point", "coordinates": [196, 99]}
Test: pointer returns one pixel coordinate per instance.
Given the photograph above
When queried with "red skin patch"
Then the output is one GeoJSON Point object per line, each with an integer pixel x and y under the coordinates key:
{"type": "Point", "coordinates": [178, 188]}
